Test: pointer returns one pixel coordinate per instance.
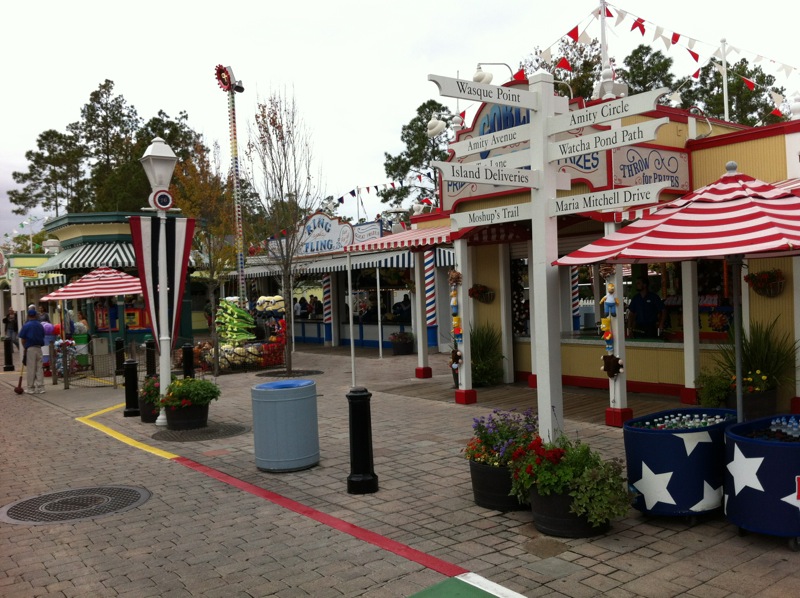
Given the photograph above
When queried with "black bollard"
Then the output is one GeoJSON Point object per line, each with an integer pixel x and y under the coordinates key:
{"type": "Point", "coordinates": [119, 355]}
{"type": "Point", "coordinates": [8, 349]}
{"type": "Point", "coordinates": [150, 357]}
{"type": "Point", "coordinates": [131, 369]}
{"type": "Point", "coordinates": [188, 361]}
{"type": "Point", "coordinates": [362, 478]}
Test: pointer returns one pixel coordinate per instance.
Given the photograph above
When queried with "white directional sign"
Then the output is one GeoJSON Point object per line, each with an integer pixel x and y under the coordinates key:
{"type": "Point", "coordinates": [522, 211]}
{"type": "Point", "coordinates": [487, 175]}
{"type": "Point", "coordinates": [490, 141]}
{"type": "Point", "coordinates": [605, 112]}
{"type": "Point", "coordinates": [481, 92]}
{"type": "Point", "coordinates": [517, 159]}
{"type": "Point", "coordinates": [638, 133]}
{"type": "Point", "coordinates": [611, 199]}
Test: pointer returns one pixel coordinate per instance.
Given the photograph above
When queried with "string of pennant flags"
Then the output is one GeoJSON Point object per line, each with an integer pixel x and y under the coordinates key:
{"type": "Point", "coordinates": [579, 34]}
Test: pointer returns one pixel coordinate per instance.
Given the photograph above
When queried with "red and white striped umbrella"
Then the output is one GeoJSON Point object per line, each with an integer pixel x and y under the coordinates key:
{"type": "Point", "coordinates": [735, 215]}
{"type": "Point", "coordinates": [102, 282]}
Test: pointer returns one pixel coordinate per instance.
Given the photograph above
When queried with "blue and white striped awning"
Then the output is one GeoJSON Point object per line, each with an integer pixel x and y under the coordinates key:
{"type": "Point", "coordinates": [338, 263]}
{"type": "Point", "coordinates": [94, 255]}
{"type": "Point", "coordinates": [54, 280]}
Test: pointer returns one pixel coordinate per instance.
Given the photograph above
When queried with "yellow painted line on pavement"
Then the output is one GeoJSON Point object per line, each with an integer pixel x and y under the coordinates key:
{"type": "Point", "coordinates": [87, 419]}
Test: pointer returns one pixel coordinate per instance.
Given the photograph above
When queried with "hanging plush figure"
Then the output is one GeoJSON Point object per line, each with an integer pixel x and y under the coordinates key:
{"type": "Point", "coordinates": [612, 365]}
{"type": "Point", "coordinates": [454, 301]}
{"type": "Point", "coordinates": [610, 301]}
{"type": "Point", "coordinates": [605, 328]}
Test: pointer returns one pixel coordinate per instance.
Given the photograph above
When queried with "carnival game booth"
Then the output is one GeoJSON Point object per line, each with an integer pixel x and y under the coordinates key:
{"type": "Point", "coordinates": [97, 359]}
{"type": "Point", "coordinates": [735, 218]}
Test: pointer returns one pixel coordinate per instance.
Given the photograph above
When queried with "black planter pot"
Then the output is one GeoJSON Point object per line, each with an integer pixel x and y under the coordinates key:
{"type": "Point", "coordinates": [148, 412]}
{"type": "Point", "coordinates": [552, 516]}
{"type": "Point", "coordinates": [403, 348]}
{"type": "Point", "coordinates": [187, 418]}
{"type": "Point", "coordinates": [491, 486]}
{"type": "Point", "coordinates": [755, 405]}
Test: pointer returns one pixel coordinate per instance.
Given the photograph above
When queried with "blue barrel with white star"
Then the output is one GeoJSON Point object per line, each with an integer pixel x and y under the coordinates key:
{"type": "Point", "coordinates": [677, 472]}
{"type": "Point", "coordinates": [762, 480]}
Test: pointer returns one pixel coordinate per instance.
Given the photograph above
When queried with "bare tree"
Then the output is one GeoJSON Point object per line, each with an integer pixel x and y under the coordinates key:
{"type": "Point", "coordinates": [279, 166]}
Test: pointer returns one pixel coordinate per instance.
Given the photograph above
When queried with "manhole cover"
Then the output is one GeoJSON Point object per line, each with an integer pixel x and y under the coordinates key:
{"type": "Point", "coordinates": [295, 373]}
{"type": "Point", "coordinates": [74, 505]}
{"type": "Point", "coordinates": [210, 432]}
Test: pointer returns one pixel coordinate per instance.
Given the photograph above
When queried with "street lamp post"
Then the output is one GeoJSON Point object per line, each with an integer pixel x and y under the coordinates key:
{"type": "Point", "coordinates": [159, 163]}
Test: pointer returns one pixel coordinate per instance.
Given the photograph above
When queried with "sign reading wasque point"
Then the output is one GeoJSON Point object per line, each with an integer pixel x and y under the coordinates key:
{"type": "Point", "coordinates": [468, 173]}
{"type": "Point", "coordinates": [629, 135]}
{"type": "Point", "coordinates": [612, 199]}
{"type": "Point", "coordinates": [481, 92]}
{"type": "Point", "coordinates": [605, 112]}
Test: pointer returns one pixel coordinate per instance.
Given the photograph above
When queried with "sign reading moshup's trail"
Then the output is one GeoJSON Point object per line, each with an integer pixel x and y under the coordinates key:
{"type": "Point", "coordinates": [576, 146]}
{"type": "Point", "coordinates": [499, 215]}
{"type": "Point", "coordinates": [490, 141]}
{"type": "Point", "coordinates": [469, 172]}
{"type": "Point", "coordinates": [481, 92]}
{"type": "Point", "coordinates": [611, 199]}
{"type": "Point", "coordinates": [605, 112]}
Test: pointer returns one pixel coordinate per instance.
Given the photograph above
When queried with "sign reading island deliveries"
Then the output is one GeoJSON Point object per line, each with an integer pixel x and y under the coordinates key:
{"type": "Point", "coordinates": [611, 199]}
{"type": "Point", "coordinates": [468, 172]}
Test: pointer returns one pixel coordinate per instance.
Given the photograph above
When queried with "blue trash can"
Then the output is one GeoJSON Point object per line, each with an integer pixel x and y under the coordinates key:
{"type": "Point", "coordinates": [285, 431]}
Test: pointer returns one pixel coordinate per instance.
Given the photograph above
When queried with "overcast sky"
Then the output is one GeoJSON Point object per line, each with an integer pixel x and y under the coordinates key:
{"type": "Point", "coordinates": [357, 69]}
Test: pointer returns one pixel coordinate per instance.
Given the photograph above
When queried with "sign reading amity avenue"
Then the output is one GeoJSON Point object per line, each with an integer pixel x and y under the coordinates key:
{"type": "Point", "coordinates": [465, 172]}
{"type": "Point", "coordinates": [481, 92]}
{"type": "Point", "coordinates": [605, 112]}
{"type": "Point", "coordinates": [492, 141]}
{"type": "Point", "coordinates": [611, 199]}
{"type": "Point", "coordinates": [638, 133]}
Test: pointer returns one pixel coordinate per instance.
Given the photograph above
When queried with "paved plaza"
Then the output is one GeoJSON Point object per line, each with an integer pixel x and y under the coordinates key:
{"type": "Point", "coordinates": [211, 523]}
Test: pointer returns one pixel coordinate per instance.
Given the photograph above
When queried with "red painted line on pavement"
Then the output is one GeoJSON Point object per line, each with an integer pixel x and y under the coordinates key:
{"type": "Point", "coordinates": [382, 542]}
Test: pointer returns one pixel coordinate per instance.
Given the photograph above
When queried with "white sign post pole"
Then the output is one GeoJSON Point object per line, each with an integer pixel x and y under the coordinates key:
{"type": "Point", "coordinates": [545, 290]}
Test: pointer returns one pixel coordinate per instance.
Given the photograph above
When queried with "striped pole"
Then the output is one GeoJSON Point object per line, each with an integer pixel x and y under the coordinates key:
{"type": "Point", "coordinates": [327, 316]}
{"type": "Point", "coordinates": [430, 287]}
{"type": "Point", "coordinates": [236, 204]}
{"type": "Point", "coordinates": [576, 302]}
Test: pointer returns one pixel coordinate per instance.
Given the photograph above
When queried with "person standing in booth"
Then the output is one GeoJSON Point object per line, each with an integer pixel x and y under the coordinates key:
{"type": "Point", "coordinates": [32, 337]}
{"type": "Point", "coordinates": [646, 312]}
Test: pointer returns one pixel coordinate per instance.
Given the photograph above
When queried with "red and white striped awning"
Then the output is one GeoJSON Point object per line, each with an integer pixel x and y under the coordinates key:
{"type": "Point", "coordinates": [102, 282]}
{"type": "Point", "coordinates": [418, 237]}
{"type": "Point", "coordinates": [735, 215]}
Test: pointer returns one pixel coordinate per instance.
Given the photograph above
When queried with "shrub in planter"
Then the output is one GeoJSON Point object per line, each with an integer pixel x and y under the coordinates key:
{"type": "Point", "coordinates": [486, 355]}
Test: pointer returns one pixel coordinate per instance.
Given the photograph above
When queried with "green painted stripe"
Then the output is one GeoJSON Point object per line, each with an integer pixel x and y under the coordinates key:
{"type": "Point", "coordinates": [468, 585]}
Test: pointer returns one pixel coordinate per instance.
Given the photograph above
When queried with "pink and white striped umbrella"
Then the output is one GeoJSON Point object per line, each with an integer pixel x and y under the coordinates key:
{"type": "Point", "coordinates": [102, 282]}
{"type": "Point", "coordinates": [735, 215]}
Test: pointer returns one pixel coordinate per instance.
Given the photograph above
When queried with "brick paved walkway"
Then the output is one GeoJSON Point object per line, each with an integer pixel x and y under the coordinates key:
{"type": "Point", "coordinates": [199, 535]}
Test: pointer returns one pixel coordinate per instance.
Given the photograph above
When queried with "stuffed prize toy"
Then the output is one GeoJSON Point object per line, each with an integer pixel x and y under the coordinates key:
{"type": "Point", "coordinates": [612, 365]}
{"type": "Point", "coordinates": [454, 301]}
{"type": "Point", "coordinates": [610, 301]}
{"type": "Point", "coordinates": [605, 327]}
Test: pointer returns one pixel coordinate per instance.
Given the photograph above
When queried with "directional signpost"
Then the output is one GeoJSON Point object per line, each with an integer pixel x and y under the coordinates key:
{"type": "Point", "coordinates": [549, 115]}
{"type": "Point", "coordinates": [492, 141]}
{"type": "Point", "coordinates": [611, 199]}
{"type": "Point", "coordinates": [489, 175]}
{"type": "Point", "coordinates": [605, 140]}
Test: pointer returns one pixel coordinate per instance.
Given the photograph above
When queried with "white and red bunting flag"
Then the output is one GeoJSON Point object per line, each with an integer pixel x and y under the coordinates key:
{"type": "Point", "coordinates": [564, 64]}
{"type": "Point", "coordinates": [546, 56]}
{"type": "Point", "coordinates": [585, 38]}
{"type": "Point", "coordinates": [573, 33]}
{"type": "Point", "coordinates": [694, 55]}
{"type": "Point", "coordinates": [608, 12]}
{"type": "Point", "coordinates": [621, 14]}
{"type": "Point", "coordinates": [777, 98]}
{"type": "Point", "coordinates": [750, 84]}
{"type": "Point", "coordinates": [675, 38]}
{"type": "Point", "coordinates": [520, 75]}
{"type": "Point", "coordinates": [638, 24]}
{"type": "Point", "coordinates": [777, 113]}
{"type": "Point", "coordinates": [146, 237]}
{"type": "Point", "coordinates": [696, 74]}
